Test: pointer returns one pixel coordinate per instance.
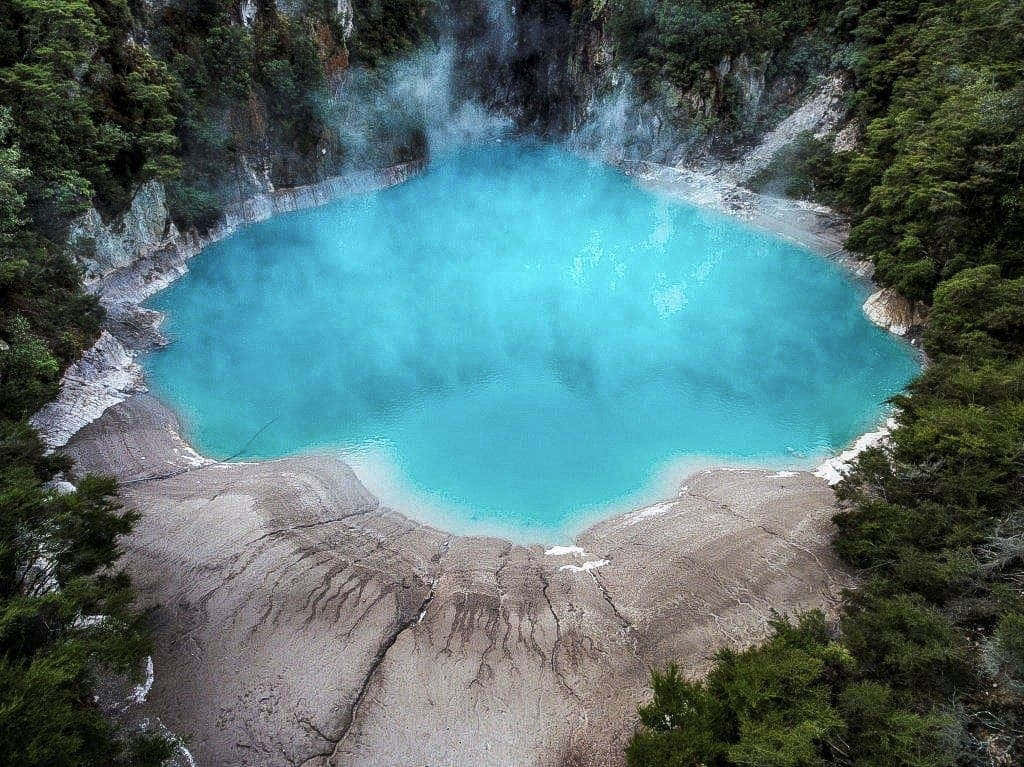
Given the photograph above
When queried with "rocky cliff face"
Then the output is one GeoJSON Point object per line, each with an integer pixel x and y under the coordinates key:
{"type": "Point", "coordinates": [136, 255]}
{"type": "Point", "coordinates": [512, 58]}
{"type": "Point", "coordinates": [551, 67]}
{"type": "Point", "coordinates": [104, 246]}
{"type": "Point", "coordinates": [555, 69]}
{"type": "Point", "coordinates": [106, 374]}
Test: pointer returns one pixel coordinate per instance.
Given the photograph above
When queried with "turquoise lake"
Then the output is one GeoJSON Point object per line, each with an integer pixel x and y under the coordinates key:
{"type": "Point", "coordinates": [520, 338]}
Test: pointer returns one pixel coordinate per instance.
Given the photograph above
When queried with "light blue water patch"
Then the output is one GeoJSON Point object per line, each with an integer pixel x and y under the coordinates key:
{"type": "Point", "coordinates": [525, 335]}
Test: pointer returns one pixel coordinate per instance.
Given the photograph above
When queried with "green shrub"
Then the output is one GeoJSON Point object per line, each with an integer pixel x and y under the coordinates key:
{"type": "Point", "coordinates": [1010, 641]}
{"type": "Point", "coordinates": [932, 519]}
{"type": "Point", "coordinates": [769, 705]}
{"type": "Point", "coordinates": [193, 206]}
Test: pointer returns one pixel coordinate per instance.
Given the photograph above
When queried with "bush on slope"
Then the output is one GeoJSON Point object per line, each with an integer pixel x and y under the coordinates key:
{"type": "Point", "coordinates": [934, 520]}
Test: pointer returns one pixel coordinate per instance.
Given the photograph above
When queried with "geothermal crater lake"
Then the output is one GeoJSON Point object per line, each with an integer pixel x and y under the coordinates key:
{"type": "Point", "coordinates": [518, 338]}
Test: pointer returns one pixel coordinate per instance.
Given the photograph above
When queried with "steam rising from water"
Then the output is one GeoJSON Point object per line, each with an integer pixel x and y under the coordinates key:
{"type": "Point", "coordinates": [462, 88]}
{"type": "Point", "coordinates": [379, 110]}
{"type": "Point", "coordinates": [524, 337]}
{"type": "Point", "coordinates": [620, 126]}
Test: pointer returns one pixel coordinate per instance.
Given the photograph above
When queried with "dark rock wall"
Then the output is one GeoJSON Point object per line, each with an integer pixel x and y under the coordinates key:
{"type": "Point", "coordinates": [551, 66]}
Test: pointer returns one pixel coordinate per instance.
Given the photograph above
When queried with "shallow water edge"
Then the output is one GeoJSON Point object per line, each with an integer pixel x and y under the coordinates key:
{"type": "Point", "coordinates": [287, 577]}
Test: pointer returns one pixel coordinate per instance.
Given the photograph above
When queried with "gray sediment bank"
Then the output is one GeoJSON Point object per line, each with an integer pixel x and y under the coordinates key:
{"type": "Point", "coordinates": [299, 621]}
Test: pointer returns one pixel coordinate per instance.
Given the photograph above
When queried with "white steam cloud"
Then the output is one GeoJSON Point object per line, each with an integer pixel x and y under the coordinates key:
{"type": "Point", "coordinates": [458, 90]}
{"type": "Point", "coordinates": [377, 111]}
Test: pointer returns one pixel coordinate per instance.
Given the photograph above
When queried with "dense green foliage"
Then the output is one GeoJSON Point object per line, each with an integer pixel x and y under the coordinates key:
{"type": "Point", "coordinates": [801, 698]}
{"type": "Point", "coordinates": [679, 40]}
{"type": "Point", "coordinates": [83, 118]}
{"type": "Point", "coordinates": [65, 611]}
{"type": "Point", "coordinates": [934, 520]}
{"type": "Point", "coordinates": [936, 185]}
{"type": "Point", "coordinates": [91, 141]}
{"type": "Point", "coordinates": [390, 29]}
{"type": "Point", "coordinates": [87, 113]}
{"type": "Point", "coordinates": [45, 318]}
{"type": "Point", "coordinates": [65, 616]}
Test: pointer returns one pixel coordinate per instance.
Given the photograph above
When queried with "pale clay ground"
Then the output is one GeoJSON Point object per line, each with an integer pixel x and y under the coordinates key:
{"type": "Point", "coordinates": [298, 622]}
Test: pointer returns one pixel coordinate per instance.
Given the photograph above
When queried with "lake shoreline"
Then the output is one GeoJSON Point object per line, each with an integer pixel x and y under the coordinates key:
{"type": "Point", "coordinates": [108, 372]}
{"type": "Point", "coordinates": [314, 331]}
{"type": "Point", "coordinates": [288, 580]}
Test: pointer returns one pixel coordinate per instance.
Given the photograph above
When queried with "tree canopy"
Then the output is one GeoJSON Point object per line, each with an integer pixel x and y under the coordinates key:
{"type": "Point", "coordinates": [933, 519]}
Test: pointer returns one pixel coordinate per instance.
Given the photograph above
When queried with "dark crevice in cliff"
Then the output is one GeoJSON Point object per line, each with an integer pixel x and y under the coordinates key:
{"type": "Point", "coordinates": [515, 60]}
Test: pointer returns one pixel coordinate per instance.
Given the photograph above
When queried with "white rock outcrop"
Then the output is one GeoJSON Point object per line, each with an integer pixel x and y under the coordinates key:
{"type": "Point", "coordinates": [347, 16]}
{"type": "Point", "coordinates": [247, 12]}
{"type": "Point", "coordinates": [846, 138]}
{"type": "Point", "coordinates": [60, 486]}
{"type": "Point", "coordinates": [106, 375]}
{"type": "Point", "coordinates": [888, 309]}
{"type": "Point", "coordinates": [820, 114]}
{"type": "Point", "coordinates": [101, 248]}
{"type": "Point", "coordinates": [836, 468]}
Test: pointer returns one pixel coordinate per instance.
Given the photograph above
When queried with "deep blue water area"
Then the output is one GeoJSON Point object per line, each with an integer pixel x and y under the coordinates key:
{"type": "Point", "coordinates": [522, 337]}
